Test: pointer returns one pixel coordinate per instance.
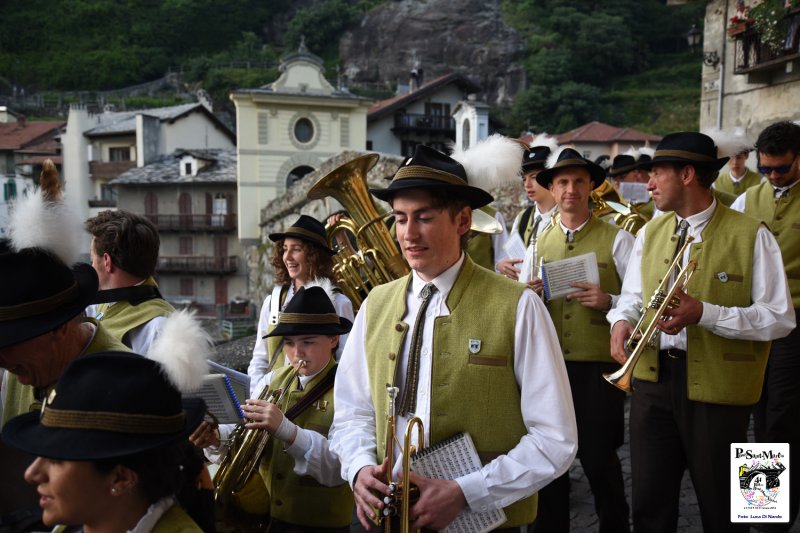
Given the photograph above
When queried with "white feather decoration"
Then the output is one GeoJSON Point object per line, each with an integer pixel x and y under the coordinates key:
{"type": "Point", "coordinates": [36, 222]}
{"type": "Point", "coordinates": [633, 152]}
{"type": "Point", "coordinates": [552, 159]}
{"type": "Point", "coordinates": [182, 348]}
{"type": "Point", "coordinates": [544, 139]}
{"type": "Point", "coordinates": [492, 162]}
{"type": "Point", "coordinates": [646, 150]}
{"type": "Point", "coordinates": [325, 284]}
{"type": "Point", "coordinates": [729, 142]}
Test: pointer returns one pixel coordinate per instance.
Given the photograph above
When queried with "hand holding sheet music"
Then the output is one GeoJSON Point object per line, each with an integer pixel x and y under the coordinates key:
{"type": "Point", "coordinates": [558, 276]}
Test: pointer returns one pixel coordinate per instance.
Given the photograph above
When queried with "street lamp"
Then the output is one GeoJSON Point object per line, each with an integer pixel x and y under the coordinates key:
{"type": "Point", "coordinates": [693, 37]}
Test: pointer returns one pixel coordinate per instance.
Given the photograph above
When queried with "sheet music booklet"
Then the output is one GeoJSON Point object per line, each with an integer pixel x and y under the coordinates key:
{"type": "Point", "coordinates": [559, 275]}
{"type": "Point", "coordinates": [223, 393]}
{"type": "Point", "coordinates": [450, 459]}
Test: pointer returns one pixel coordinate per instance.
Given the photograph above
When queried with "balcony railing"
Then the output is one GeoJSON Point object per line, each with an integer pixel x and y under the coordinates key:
{"type": "Point", "coordinates": [752, 54]}
{"type": "Point", "coordinates": [198, 265]}
{"type": "Point", "coordinates": [423, 123]}
{"type": "Point", "coordinates": [211, 223]}
{"type": "Point", "coordinates": [109, 169]}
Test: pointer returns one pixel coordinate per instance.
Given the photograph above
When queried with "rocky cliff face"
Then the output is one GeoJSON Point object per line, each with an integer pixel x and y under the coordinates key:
{"type": "Point", "coordinates": [444, 35]}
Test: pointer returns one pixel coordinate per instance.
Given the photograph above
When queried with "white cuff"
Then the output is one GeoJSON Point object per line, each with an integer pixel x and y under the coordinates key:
{"type": "Point", "coordinates": [285, 430]}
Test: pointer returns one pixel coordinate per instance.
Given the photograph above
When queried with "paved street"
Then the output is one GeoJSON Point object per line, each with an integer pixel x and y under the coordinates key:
{"type": "Point", "coordinates": [584, 520]}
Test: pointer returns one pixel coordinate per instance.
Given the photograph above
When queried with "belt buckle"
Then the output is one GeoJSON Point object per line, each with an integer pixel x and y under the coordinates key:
{"type": "Point", "coordinates": [669, 353]}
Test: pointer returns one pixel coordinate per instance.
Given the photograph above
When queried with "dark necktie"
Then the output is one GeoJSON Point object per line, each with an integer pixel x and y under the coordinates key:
{"type": "Point", "coordinates": [408, 403]}
{"type": "Point", "coordinates": [683, 227]}
{"type": "Point", "coordinates": [535, 229]}
{"type": "Point", "coordinates": [781, 193]}
{"type": "Point", "coordinates": [570, 236]}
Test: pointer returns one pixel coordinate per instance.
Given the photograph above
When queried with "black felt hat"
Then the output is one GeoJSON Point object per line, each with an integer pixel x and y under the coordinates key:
{"type": "Point", "coordinates": [431, 169]}
{"type": "Point", "coordinates": [687, 147]}
{"type": "Point", "coordinates": [310, 312]}
{"type": "Point", "coordinates": [535, 158]}
{"type": "Point", "coordinates": [307, 229]}
{"type": "Point", "coordinates": [40, 293]}
{"type": "Point", "coordinates": [571, 158]}
{"type": "Point", "coordinates": [105, 405]}
{"type": "Point", "coordinates": [622, 163]}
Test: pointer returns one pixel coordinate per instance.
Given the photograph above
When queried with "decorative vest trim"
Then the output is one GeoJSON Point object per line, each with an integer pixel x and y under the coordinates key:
{"type": "Point", "coordinates": [719, 370]}
{"type": "Point", "coordinates": [301, 500]}
{"type": "Point", "coordinates": [471, 392]}
{"type": "Point", "coordinates": [583, 332]}
{"type": "Point", "coordinates": [480, 247]}
{"type": "Point", "coordinates": [782, 216]}
{"type": "Point", "coordinates": [122, 317]}
{"type": "Point", "coordinates": [22, 398]}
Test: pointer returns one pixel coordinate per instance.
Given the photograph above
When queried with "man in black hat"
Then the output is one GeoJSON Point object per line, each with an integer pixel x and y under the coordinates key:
{"type": "Point", "coordinates": [532, 220]}
{"type": "Point", "coordinates": [579, 319]}
{"type": "Point", "coordinates": [775, 202]}
{"type": "Point", "coordinates": [124, 253]}
{"type": "Point", "coordinates": [694, 394]}
{"type": "Point", "coordinates": [498, 373]}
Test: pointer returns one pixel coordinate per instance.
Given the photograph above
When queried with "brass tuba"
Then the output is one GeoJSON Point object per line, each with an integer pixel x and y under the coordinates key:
{"type": "Point", "coordinates": [377, 259]}
{"type": "Point", "coordinates": [644, 335]}
{"type": "Point", "coordinates": [246, 447]}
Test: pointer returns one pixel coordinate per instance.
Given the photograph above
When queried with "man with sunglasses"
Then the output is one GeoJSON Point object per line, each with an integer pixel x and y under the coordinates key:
{"type": "Point", "coordinates": [776, 202]}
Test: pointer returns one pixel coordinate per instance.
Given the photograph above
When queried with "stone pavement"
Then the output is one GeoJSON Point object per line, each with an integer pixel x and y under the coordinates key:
{"type": "Point", "coordinates": [584, 520]}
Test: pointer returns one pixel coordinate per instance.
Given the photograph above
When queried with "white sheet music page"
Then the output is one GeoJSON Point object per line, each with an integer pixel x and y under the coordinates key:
{"type": "Point", "coordinates": [559, 275]}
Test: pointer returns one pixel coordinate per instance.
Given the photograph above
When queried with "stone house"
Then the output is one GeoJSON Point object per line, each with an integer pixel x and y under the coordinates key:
{"type": "Point", "coordinates": [100, 147]}
{"type": "Point", "coordinates": [597, 138]}
{"type": "Point", "coordinates": [746, 82]}
{"type": "Point", "coordinates": [190, 195]}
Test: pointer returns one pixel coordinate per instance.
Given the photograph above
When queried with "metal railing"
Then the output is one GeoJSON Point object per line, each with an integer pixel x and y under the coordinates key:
{"type": "Point", "coordinates": [419, 122]}
{"type": "Point", "coordinates": [198, 264]}
{"type": "Point", "coordinates": [207, 222]}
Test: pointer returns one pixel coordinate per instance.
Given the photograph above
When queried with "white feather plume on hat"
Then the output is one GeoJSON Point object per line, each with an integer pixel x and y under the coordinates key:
{"type": "Point", "coordinates": [552, 159]}
{"type": "Point", "coordinates": [492, 162]}
{"type": "Point", "coordinates": [646, 150]}
{"type": "Point", "coordinates": [633, 152]}
{"type": "Point", "coordinates": [544, 139]}
{"type": "Point", "coordinates": [326, 285]}
{"type": "Point", "coordinates": [729, 142]}
{"type": "Point", "coordinates": [41, 220]}
{"type": "Point", "coordinates": [182, 348]}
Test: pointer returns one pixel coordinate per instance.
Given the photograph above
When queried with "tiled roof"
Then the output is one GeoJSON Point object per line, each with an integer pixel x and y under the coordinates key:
{"type": "Point", "coordinates": [384, 107]}
{"type": "Point", "coordinates": [166, 169]}
{"type": "Point", "coordinates": [599, 132]}
{"type": "Point", "coordinates": [15, 135]}
{"type": "Point", "coordinates": [115, 123]}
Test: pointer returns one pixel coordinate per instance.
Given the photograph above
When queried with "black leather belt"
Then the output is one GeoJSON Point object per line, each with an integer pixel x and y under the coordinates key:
{"type": "Point", "coordinates": [673, 353]}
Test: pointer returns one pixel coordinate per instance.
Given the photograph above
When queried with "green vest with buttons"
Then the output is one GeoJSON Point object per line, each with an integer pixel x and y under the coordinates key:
{"type": "Point", "coordinates": [719, 370]}
{"type": "Point", "coordinates": [726, 184]}
{"type": "Point", "coordinates": [782, 216]}
{"type": "Point", "coordinates": [475, 393]}
{"type": "Point", "coordinates": [480, 247]}
{"type": "Point", "coordinates": [21, 398]}
{"type": "Point", "coordinates": [122, 317]}
{"type": "Point", "coordinates": [301, 500]}
{"type": "Point", "coordinates": [583, 332]}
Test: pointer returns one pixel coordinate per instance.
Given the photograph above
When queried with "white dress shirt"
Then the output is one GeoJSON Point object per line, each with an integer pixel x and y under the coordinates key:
{"type": "Point", "coordinates": [257, 370]}
{"type": "Point", "coordinates": [544, 453]}
{"type": "Point", "coordinates": [769, 316]}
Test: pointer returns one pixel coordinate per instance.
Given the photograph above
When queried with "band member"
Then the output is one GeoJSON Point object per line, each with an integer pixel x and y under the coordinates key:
{"type": "Point", "coordinates": [498, 374]}
{"type": "Point", "coordinates": [694, 394]}
{"type": "Point", "coordinates": [531, 221]}
{"type": "Point", "coordinates": [301, 254]}
{"type": "Point", "coordinates": [625, 169]}
{"type": "Point", "coordinates": [96, 467]}
{"type": "Point", "coordinates": [301, 474]}
{"type": "Point", "coordinates": [738, 178]}
{"type": "Point", "coordinates": [580, 323]}
{"type": "Point", "coordinates": [775, 202]}
{"type": "Point", "coordinates": [124, 253]}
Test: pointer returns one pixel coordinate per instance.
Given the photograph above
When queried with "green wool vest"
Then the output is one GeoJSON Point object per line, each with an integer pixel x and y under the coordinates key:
{"type": "Point", "coordinates": [22, 398]}
{"type": "Point", "coordinates": [723, 197]}
{"type": "Point", "coordinates": [719, 370]}
{"type": "Point", "coordinates": [472, 392]}
{"type": "Point", "coordinates": [174, 520]}
{"type": "Point", "coordinates": [726, 184]}
{"type": "Point", "coordinates": [276, 343]}
{"type": "Point", "coordinates": [583, 332]}
{"type": "Point", "coordinates": [301, 500]}
{"type": "Point", "coordinates": [480, 247]}
{"type": "Point", "coordinates": [782, 216]}
{"type": "Point", "coordinates": [122, 317]}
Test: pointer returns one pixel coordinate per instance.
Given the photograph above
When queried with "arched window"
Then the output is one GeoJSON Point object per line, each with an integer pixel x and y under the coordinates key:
{"type": "Point", "coordinates": [297, 174]}
{"type": "Point", "coordinates": [465, 133]}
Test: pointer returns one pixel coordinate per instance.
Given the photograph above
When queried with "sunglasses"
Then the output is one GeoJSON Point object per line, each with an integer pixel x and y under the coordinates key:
{"type": "Point", "coordinates": [783, 169]}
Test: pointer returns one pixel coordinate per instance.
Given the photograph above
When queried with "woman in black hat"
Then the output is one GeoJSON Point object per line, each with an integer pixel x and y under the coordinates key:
{"type": "Point", "coordinates": [108, 445]}
{"type": "Point", "coordinates": [301, 254]}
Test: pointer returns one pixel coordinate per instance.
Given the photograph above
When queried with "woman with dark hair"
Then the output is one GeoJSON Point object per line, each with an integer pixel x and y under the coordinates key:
{"type": "Point", "coordinates": [109, 446]}
{"type": "Point", "coordinates": [301, 254]}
